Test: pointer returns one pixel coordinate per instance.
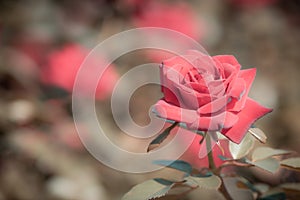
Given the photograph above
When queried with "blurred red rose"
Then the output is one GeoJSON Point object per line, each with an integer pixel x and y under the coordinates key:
{"type": "Point", "coordinates": [63, 65]}
{"type": "Point", "coordinates": [209, 94]}
{"type": "Point", "coordinates": [178, 17]}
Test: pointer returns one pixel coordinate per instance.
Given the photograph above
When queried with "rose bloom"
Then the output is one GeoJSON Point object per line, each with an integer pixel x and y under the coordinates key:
{"type": "Point", "coordinates": [63, 65]}
{"type": "Point", "coordinates": [208, 94]}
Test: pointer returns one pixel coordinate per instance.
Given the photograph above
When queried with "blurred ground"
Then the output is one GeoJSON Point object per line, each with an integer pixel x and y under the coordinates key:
{"type": "Point", "coordinates": [41, 156]}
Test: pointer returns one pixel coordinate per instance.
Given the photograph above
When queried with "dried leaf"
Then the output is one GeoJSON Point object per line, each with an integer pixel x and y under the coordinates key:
{"type": "Point", "coordinates": [171, 174]}
{"type": "Point", "coordinates": [269, 164]}
{"type": "Point", "coordinates": [258, 134]}
{"type": "Point", "coordinates": [231, 184]}
{"type": "Point", "coordinates": [211, 182]}
{"type": "Point", "coordinates": [177, 164]}
{"type": "Point", "coordinates": [291, 162]}
{"type": "Point", "coordinates": [264, 152]}
{"type": "Point", "coordinates": [240, 150]}
{"type": "Point", "coordinates": [291, 186]}
{"type": "Point", "coordinates": [147, 190]}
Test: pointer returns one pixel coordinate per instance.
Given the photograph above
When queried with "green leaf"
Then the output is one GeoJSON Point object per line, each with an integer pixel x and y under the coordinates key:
{"type": "Point", "coordinates": [223, 158]}
{"type": "Point", "coordinates": [211, 182]}
{"type": "Point", "coordinates": [291, 162]}
{"type": "Point", "coordinates": [269, 164]}
{"type": "Point", "coordinates": [264, 152]}
{"type": "Point", "coordinates": [147, 190]}
{"type": "Point", "coordinates": [161, 137]}
{"type": "Point", "coordinates": [177, 164]}
{"type": "Point", "coordinates": [163, 181]}
{"type": "Point", "coordinates": [258, 134]}
{"type": "Point", "coordinates": [240, 150]}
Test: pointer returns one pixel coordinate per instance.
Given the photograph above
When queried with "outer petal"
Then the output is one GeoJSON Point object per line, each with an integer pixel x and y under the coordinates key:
{"type": "Point", "coordinates": [228, 59]}
{"type": "Point", "coordinates": [237, 89]}
{"type": "Point", "coordinates": [175, 113]}
{"type": "Point", "coordinates": [214, 106]}
{"type": "Point", "coordinates": [169, 76]}
{"type": "Point", "coordinates": [248, 75]}
{"type": "Point", "coordinates": [247, 116]}
{"type": "Point", "coordinates": [192, 119]}
{"type": "Point", "coordinates": [215, 122]}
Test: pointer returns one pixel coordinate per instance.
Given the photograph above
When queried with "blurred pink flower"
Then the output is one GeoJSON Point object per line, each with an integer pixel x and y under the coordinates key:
{"type": "Point", "coordinates": [179, 17]}
{"type": "Point", "coordinates": [63, 65]}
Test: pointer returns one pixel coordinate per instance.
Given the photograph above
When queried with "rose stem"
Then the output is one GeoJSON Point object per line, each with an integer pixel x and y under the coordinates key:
{"type": "Point", "coordinates": [211, 162]}
{"type": "Point", "coordinates": [223, 190]}
{"type": "Point", "coordinates": [212, 166]}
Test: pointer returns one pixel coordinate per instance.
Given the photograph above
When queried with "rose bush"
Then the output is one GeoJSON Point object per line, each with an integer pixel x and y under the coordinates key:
{"type": "Point", "coordinates": [208, 94]}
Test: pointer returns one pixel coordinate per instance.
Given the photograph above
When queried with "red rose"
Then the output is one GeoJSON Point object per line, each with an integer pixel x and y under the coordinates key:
{"type": "Point", "coordinates": [209, 94]}
{"type": "Point", "coordinates": [63, 65]}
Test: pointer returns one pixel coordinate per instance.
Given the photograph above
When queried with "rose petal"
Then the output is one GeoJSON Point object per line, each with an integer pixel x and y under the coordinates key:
{"type": "Point", "coordinates": [192, 119]}
{"type": "Point", "coordinates": [215, 122]}
{"type": "Point", "coordinates": [238, 88]}
{"type": "Point", "coordinates": [246, 117]}
{"type": "Point", "coordinates": [248, 75]}
{"type": "Point", "coordinates": [217, 88]}
{"type": "Point", "coordinates": [168, 77]}
{"type": "Point", "coordinates": [203, 62]}
{"type": "Point", "coordinates": [214, 106]}
{"type": "Point", "coordinates": [175, 113]}
{"type": "Point", "coordinates": [228, 69]}
{"type": "Point", "coordinates": [192, 99]}
{"type": "Point", "coordinates": [228, 59]}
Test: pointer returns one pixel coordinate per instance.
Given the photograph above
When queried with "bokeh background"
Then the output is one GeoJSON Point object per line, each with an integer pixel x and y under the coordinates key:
{"type": "Point", "coordinates": [42, 44]}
